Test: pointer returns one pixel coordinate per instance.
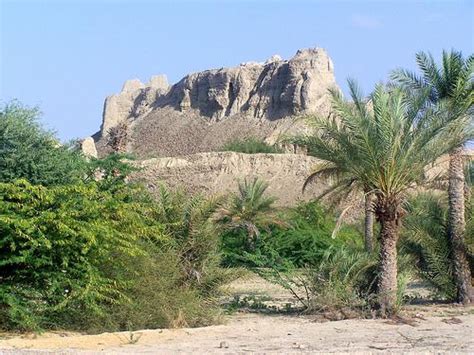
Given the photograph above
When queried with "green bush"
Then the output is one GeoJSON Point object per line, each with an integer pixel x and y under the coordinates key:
{"type": "Point", "coordinates": [27, 151]}
{"type": "Point", "coordinates": [55, 243]}
{"type": "Point", "coordinates": [82, 257]}
{"type": "Point", "coordinates": [159, 294]}
{"type": "Point", "coordinates": [179, 283]}
{"type": "Point", "coordinates": [300, 237]}
{"type": "Point", "coordinates": [251, 146]}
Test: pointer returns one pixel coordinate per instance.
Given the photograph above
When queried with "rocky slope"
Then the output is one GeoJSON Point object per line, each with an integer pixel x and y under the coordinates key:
{"type": "Point", "coordinates": [219, 172]}
{"type": "Point", "coordinates": [206, 109]}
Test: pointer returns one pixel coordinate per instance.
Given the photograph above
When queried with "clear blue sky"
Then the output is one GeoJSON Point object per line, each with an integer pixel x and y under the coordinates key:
{"type": "Point", "coordinates": [67, 56]}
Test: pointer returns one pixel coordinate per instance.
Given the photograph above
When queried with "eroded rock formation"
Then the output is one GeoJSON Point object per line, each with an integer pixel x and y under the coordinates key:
{"type": "Point", "coordinates": [205, 110]}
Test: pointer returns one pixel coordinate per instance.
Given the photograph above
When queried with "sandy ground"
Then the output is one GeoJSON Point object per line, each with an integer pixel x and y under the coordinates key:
{"type": "Point", "coordinates": [421, 329]}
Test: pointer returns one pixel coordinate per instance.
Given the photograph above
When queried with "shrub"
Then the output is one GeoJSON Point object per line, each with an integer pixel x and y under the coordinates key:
{"type": "Point", "coordinates": [251, 146]}
{"type": "Point", "coordinates": [158, 294]}
{"type": "Point", "coordinates": [189, 222]}
{"type": "Point", "coordinates": [300, 237]}
{"type": "Point", "coordinates": [344, 280]}
{"type": "Point", "coordinates": [55, 243]}
{"type": "Point", "coordinates": [80, 257]}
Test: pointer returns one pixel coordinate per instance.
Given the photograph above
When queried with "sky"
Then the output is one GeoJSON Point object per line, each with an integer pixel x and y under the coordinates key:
{"type": "Point", "coordinates": [66, 56]}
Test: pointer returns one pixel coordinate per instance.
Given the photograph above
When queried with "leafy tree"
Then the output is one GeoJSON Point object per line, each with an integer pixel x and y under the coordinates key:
{"type": "Point", "coordinates": [30, 152]}
{"type": "Point", "coordinates": [385, 148]}
{"type": "Point", "coordinates": [56, 244]}
{"type": "Point", "coordinates": [302, 236]}
{"type": "Point", "coordinates": [450, 84]}
{"type": "Point", "coordinates": [110, 172]}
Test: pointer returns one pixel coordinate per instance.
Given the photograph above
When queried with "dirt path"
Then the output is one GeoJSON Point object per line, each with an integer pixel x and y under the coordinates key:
{"type": "Point", "coordinates": [266, 334]}
{"type": "Point", "coordinates": [423, 329]}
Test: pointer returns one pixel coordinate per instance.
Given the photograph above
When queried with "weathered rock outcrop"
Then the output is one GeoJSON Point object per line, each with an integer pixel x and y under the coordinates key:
{"type": "Point", "coordinates": [271, 90]}
{"type": "Point", "coordinates": [88, 147]}
{"type": "Point", "coordinates": [263, 94]}
{"type": "Point", "coordinates": [134, 100]}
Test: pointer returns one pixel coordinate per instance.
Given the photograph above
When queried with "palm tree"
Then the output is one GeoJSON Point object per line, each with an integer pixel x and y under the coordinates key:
{"type": "Point", "coordinates": [248, 210]}
{"type": "Point", "coordinates": [189, 223]}
{"type": "Point", "coordinates": [425, 238]}
{"type": "Point", "coordinates": [452, 85]}
{"type": "Point", "coordinates": [384, 149]}
{"type": "Point", "coordinates": [347, 184]}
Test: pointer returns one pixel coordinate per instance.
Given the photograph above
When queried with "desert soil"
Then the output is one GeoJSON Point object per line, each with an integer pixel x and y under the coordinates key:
{"type": "Point", "coordinates": [421, 329]}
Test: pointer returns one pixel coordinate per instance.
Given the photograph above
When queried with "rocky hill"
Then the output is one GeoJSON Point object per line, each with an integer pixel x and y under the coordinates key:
{"type": "Point", "coordinates": [177, 130]}
{"type": "Point", "coordinates": [205, 110]}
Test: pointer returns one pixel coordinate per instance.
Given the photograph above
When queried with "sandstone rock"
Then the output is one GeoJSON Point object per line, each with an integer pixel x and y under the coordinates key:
{"type": "Point", "coordinates": [159, 82]}
{"type": "Point", "coordinates": [271, 90]}
{"type": "Point", "coordinates": [132, 85]}
{"type": "Point", "coordinates": [88, 147]}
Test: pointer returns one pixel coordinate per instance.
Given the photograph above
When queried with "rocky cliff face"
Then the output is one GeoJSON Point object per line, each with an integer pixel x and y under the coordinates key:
{"type": "Point", "coordinates": [262, 94]}
{"type": "Point", "coordinates": [134, 100]}
{"type": "Point", "coordinates": [274, 89]}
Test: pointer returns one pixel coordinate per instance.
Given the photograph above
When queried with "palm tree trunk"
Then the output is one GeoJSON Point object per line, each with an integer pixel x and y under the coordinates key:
{"type": "Point", "coordinates": [369, 223]}
{"type": "Point", "coordinates": [387, 215]}
{"type": "Point", "coordinates": [457, 227]}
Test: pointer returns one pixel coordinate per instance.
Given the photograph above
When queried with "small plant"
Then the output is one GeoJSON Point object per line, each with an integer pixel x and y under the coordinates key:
{"type": "Point", "coordinates": [119, 137]}
{"type": "Point", "coordinates": [251, 146]}
{"type": "Point", "coordinates": [133, 338]}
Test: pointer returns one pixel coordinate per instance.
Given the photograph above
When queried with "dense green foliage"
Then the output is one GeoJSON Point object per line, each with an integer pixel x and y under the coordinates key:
{"type": "Point", "coordinates": [251, 145]}
{"type": "Point", "coordinates": [54, 243]}
{"type": "Point", "coordinates": [425, 237]}
{"type": "Point", "coordinates": [176, 283]}
{"type": "Point", "coordinates": [299, 237]}
{"type": "Point", "coordinates": [28, 151]}
{"type": "Point", "coordinates": [81, 257]}
{"type": "Point", "coordinates": [82, 249]}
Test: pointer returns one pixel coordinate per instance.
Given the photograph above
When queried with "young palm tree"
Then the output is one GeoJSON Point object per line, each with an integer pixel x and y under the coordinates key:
{"type": "Point", "coordinates": [385, 149]}
{"type": "Point", "coordinates": [248, 210]}
{"type": "Point", "coordinates": [452, 85]}
{"type": "Point", "coordinates": [347, 184]}
{"type": "Point", "coordinates": [189, 223]}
